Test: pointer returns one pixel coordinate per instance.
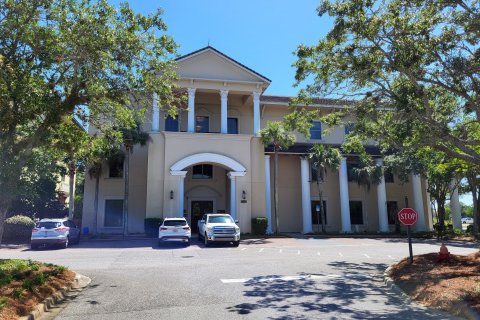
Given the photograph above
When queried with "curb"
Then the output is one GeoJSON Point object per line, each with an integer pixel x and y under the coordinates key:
{"type": "Point", "coordinates": [79, 283]}
{"type": "Point", "coordinates": [458, 308]}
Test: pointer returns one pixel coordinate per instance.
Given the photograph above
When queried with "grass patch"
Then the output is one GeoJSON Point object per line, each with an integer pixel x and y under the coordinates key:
{"type": "Point", "coordinates": [25, 283]}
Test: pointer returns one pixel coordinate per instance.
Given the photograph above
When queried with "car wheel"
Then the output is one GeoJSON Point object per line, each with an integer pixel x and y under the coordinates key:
{"type": "Point", "coordinates": [205, 240]}
{"type": "Point", "coordinates": [236, 243]}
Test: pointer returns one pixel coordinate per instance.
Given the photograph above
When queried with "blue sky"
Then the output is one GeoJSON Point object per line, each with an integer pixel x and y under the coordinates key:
{"type": "Point", "coordinates": [261, 34]}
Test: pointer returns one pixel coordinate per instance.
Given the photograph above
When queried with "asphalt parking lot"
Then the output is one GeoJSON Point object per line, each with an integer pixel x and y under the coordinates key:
{"type": "Point", "coordinates": [279, 278]}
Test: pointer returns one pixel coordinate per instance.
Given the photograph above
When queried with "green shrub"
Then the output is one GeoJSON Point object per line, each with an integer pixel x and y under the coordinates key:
{"type": "Point", "coordinates": [18, 229]}
{"type": "Point", "coordinates": [469, 228]}
{"type": "Point", "coordinates": [151, 226]}
{"type": "Point", "coordinates": [259, 226]}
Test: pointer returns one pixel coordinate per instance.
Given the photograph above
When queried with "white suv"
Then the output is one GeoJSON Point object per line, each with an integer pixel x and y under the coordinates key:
{"type": "Point", "coordinates": [218, 228]}
{"type": "Point", "coordinates": [176, 229]}
{"type": "Point", "coordinates": [54, 231]}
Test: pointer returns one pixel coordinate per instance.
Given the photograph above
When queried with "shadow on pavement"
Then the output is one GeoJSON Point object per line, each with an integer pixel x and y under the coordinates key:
{"type": "Point", "coordinates": [327, 296]}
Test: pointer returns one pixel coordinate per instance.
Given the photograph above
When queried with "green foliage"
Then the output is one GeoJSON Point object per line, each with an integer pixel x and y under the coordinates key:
{"type": "Point", "coordinates": [278, 134]}
{"type": "Point", "coordinates": [18, 229]}
{"type": "Point", "coordinates": [410, 70]}
{"type": "Point", "coordinates": [60, 58]}
{"type": "Point", "coordinates": [259, 226]}
{"type": "Point", "coordinates": [20, 220]}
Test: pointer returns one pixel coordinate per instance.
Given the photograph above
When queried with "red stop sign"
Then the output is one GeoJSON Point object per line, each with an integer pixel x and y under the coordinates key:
{"type": "Point", "coordinates": [407, 216]}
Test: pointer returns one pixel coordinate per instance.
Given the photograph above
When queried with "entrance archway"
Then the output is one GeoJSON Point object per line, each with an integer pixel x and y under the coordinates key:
{"type": "Point", "coordinates": [234, 167]}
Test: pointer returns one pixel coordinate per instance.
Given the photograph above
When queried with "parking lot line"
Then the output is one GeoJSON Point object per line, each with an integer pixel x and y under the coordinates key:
{"type": "Point", "coordinates": [261, 249]}
{"type": "Point", "coordinates": [340, 254]}
{"type": "Point", "coordinates": [391, 257]}
{"type": "Point", "coordinates": [280, 251]}
{"type": "Point", "coordinates": [356, 276]}
{"type": "Point", "coordinates": [244, 249]}
{"type": "Point", "coordinates": [298, 252]}
{"type": "Point", "coordinates": [366, 255]}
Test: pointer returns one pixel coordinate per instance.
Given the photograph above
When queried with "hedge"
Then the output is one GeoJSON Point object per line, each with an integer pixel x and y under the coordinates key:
{"type": "Point", "coordinates": [151, 226]}
{"type": "Point", "coordinates": [18, 229]}
{"type": "Point", "coordinates": [259, 226]}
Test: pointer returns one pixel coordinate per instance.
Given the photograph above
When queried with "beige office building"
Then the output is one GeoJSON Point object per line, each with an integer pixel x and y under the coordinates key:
{"type": "Point", "coordinates": [210, 159]}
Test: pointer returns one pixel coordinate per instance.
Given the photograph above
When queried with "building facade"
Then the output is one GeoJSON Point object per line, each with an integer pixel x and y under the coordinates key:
{"type": "Point", "coordinates": [210, 159]}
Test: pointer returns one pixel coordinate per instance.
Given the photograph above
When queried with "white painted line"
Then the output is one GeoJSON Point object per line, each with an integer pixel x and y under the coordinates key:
{"type": "Point", "coordinates": [244, 249]}
{"type": "Point", "coordinates": [293, 278]}
{"type": "Point", "coordinates": [366, 255]}
{"type": "Point", "coordinates": [261, 249]}
{"type": "Point", "coordinates": [340, 254]}
{"type": "Point", "coordinates": [391, 257]}
{"type": "Point", "coordinates": [298, 252]}
{"type": "Point", "coordinates": [280, 251]}
{"type": "Point", "coordinates": [318, 253]}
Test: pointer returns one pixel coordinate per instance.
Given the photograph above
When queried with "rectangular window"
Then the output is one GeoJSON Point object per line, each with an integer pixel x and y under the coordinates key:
{"type": "Point", "coordinates": [315, 215]}
{"type": "Point", "coordinates": [316, 130]}
{"type": "Point", "coordinates": [313, 173]}
{"type": "Point", "coordinates": [349, 127]}
{"type": "Point", "coordinates": [392, 210]}
{"type": "Point", "coordinates": [388, 176]}
{"type": "Point", "coordinates": [356, 212]}
{"type": "Point", "coordinates": [350, 171]}
{"type": "Point", "coordinates": [232, 125]}
{"type": "Point", "coordinates": [115, 167]}
{"type": "Point", "coordinates": [202, 124]}
{"type": "Point", "coordinates": [202, 171]}
{"type": "Point", "coordinates": [113, 213]}
{"type": "Point", "coordinates": [171, 124]}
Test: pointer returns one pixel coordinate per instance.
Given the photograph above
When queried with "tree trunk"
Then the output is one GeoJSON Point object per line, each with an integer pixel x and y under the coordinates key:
{"type": "Point", "coordinates": [4, 206]}
{"type": "Point", "coordinates": [476, 209]}
{"type": "Point", "coordinates": [275, 194]}
{"type": "Point", "coordinates": [441, 217]}
{"type": "Point", "coordinates": [71, 185]}
{"type": "Point", "coordinates": [125, 196]}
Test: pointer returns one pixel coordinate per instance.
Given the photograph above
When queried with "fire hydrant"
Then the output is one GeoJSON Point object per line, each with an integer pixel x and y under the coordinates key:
{"type": "Point", "coordinates": [443, 255]}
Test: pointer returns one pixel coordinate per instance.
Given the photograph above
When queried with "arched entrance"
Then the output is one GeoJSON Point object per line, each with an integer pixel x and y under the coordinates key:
{"type": "Point", "coordinates": [230, 166]}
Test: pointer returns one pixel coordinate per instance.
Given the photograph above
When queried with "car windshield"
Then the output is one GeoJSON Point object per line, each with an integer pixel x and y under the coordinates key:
{"type": "Point", "coordinates": [220, 219]}
{"type": "Point", "coordinates": [49, 224]}
{"type": "Point", "coordinates": [175, 223]}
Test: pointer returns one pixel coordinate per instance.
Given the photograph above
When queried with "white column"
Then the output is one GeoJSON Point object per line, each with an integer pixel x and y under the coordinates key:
{"type": "Point", "coordinates": [455, 207]}
{"type": "Point", "coordinates": [306, 201]}
{"type": "Point", "coordinates": [344, 198]}
{"type": "Point", "coordinates": [418, 202]}
{"type": "Point", "coordinates": [224, 112]}
{"type": "Point", "coordinates": [268, 195]}
{"type": "Point", "coordinates": [233, 192]}
{"type": "Point", "coordinates": [256, 113]}
{"type": "Point", "coordinates": [191, 109]}
{"type": "Point", "coordinates": [181, 190]}
{"type": "Point", "coordinates": [382, 202]}
{"type": "Point", "coordinates": [155, 113]}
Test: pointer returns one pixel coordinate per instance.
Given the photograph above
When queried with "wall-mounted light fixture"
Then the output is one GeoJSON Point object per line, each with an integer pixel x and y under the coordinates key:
{"type": "Point", "coordinates": [244, 195]}
{"type": "Point", "coordinates": [171, 194]}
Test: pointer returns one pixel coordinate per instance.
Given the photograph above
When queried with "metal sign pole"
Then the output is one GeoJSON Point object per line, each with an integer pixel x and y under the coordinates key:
{"type": "Point", "coordinates": [410, 244]}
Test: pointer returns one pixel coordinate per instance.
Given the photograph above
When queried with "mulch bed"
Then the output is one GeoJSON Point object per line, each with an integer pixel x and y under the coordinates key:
{"type": "Point", "coordinates": [26, 291]}
{"type": "Point", "coordinates": [439, 284]}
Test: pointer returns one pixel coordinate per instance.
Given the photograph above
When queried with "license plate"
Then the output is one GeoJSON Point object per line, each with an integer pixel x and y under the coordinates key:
{"type": "Point", "coordinates": [175, 230]}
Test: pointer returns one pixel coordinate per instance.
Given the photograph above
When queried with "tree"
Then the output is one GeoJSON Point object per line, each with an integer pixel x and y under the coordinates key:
{"type": "Point", "coordinates": [323, 157]}
{"type": "Point", "coordinates": [131, 137]}
{"type": "Point", "coordinates": [410, 68]}
{"type": "Point", "coordinates": [71, 141]}
{"type": "Point", "coordinates": [64, 57]}
{"type": "Point", "coordinates": [280, 136]}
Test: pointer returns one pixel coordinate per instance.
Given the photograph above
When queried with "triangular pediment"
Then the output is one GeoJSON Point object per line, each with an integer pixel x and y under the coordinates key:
{"type": "Point", "coordinates": [209, 63]}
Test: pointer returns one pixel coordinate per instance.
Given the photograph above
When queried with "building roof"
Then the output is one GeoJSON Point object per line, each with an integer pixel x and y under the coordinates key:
{"type": "Point", "coordinates": [316, 102]}
{"type": "Point", "coordinates": [207, 48]}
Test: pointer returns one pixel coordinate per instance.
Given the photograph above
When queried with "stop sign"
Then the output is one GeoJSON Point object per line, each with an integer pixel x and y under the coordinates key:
{"type": "Point", "coordinates": [407, 216]}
